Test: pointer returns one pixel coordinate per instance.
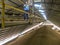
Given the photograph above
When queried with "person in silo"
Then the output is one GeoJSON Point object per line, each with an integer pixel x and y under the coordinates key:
{"type": "Point", "coordinates": [26, 8]}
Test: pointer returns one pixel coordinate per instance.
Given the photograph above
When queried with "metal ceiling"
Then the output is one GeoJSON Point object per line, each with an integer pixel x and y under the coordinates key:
{"type": "Point", "coordinates": [52, 10]}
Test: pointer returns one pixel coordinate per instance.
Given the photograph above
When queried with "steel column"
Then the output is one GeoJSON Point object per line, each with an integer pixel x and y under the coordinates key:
{"type": "Point", "coordinates": [3, 13]}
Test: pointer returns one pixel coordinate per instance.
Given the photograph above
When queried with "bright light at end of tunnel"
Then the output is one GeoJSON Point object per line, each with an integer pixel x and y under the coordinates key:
{"type": "Point", "coordinates": [41, 11]}
{"type": "Point", "coordinates": [44, 15]}
{"type": "Point", "coordinates": [37, 5]}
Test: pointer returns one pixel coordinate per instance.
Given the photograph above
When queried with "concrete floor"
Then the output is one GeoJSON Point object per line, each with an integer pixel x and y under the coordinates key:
{"type": "Point", "coordinates": [42, 36]}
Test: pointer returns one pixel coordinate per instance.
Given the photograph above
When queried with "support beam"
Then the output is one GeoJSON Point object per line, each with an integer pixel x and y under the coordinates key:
{"type": "Point", "coordinates": [3, 13]}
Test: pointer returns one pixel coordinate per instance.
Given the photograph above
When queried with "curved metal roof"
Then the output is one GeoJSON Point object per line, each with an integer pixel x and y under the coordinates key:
{"type": "Point", "coordinates": [52, 10]}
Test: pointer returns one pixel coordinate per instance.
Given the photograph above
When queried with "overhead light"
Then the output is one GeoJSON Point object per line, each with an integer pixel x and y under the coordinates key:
{"type": "Point", "coordinates": [36, 5]}
{"type": "Point", "coordinates": [41, 11]}
{"type": "Point", "coordinates": [44, 15]}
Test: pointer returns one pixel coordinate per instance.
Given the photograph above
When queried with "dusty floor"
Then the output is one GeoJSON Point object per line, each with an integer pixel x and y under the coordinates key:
{"type": "Point", "coordinates": [43, 36]}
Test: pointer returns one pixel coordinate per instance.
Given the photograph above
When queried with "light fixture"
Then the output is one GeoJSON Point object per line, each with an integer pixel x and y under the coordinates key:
{"type": "Point", "coordinates": [41, 11]}
{"type": "Point", "coordinates": [36, 5]}
{"type": "Point", "coordinates": [44, 15]}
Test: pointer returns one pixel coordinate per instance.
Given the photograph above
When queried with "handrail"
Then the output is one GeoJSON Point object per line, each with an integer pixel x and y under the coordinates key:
{"type": "Point", "coordinates": [24, 3]}
{"type": "Point", "coordinates": [14, 8]}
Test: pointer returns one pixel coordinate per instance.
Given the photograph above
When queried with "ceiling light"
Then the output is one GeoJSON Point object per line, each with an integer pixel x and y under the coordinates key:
{"type": "Point", "coordinates": [36, 5]}
{"type": "Point", "coordinates": [44, 15]}
{"type": "Point", "coordinates": [41, 11]}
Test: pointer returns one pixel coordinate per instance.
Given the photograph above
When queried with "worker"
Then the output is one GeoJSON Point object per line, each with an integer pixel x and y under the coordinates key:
{"type": "Point", "coordinates": [26, 8]}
